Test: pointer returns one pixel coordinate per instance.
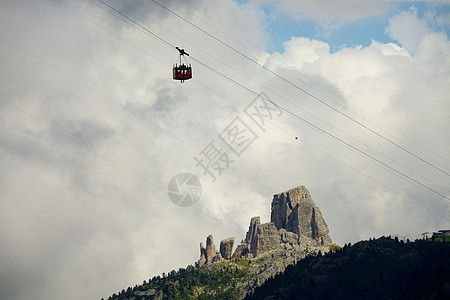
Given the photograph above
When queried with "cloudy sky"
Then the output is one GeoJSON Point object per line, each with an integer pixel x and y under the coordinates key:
{"type": "Point", "coordinates": [93, 129]}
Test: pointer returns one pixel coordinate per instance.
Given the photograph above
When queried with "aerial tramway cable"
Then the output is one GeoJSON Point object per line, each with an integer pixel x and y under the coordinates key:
{"type": "Point", "coordinates": [304, 91]}
{"type": "Point", "coordinates": [293, 103]}
{"type": "Point", "coordinates": [364, 113]}
{"type": "Point", "coordinates": [412, 180]}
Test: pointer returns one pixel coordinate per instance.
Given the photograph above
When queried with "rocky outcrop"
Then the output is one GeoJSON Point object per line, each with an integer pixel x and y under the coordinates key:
{"type": "Point", "coordinates": [210, 250]}
{"type": "Point", "coordinates": [288, 237]}
{"type": "Point", "coordinates": [241, 250]}
{"type": "Point", "coordinates": [202, 259]}
{"type": "Point", "coordinates": [226, 248]}
{"type": "Point", "coordinates": [296, 212]}
{"type": "Point", "coordinates": [208, 254]}
{"type": "Point", "coordinates": [252, 228]}
{"type": "Point", "coordinates": [265, 239]}
{"type": "Point", "coordinates": [295, 221]}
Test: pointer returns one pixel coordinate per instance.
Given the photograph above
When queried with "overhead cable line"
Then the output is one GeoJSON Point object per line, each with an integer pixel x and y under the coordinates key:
{"type": "Point", "coordinates": [132, 172]}
{"type": "Point", "coordinates": [341, 161]}
{"type": "Point", "coordinates": [88, 86]}
{"type": "Point", "coordinates": [170, 45]}
{"type": "Point", "coordinates": [167, 43]}
{"type": "Point", "coordinates": [302, 90]}
{"type": "Point", "coordinates": [55, 227]}
{"type": "Point", "coordinates": [293, 103]}
{"type": "Point", "coordinates": [419, 184]}
{"type": "Point", "coordinates": [102, 156]}
{"type": "Point", "coordinates": [111, 161]}
{"type": "Point", "coordinates": [70, 236]}
{"type": "Point", "coordinates": [364, 113]}
{"type": "Point", "coordinates": [325, 132]}
{"type": "Point", "coordinates": [229, 29]}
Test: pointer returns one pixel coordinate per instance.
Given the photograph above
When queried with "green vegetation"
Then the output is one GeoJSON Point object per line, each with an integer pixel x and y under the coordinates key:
{"type": "Point", "coordinates": [334, 248]}
{"type": "Point", "coordinates": [377, 269]}
{"type": "Point", "coordinates": [245, 263]}
{"type": "Point", "coordinates": [440, 239]}
{"type": "Point", "coordinates": [261, 260]}
{"type": "Point", "coordinates": [216, 281]}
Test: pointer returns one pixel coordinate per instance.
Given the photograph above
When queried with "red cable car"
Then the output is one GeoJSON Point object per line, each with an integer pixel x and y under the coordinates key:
{"type": "Point", "coordinates": [182, 71]}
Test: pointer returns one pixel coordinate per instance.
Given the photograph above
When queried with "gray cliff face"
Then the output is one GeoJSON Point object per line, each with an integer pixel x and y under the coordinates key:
{"type": "Point", "coordinates": [226, 248]}
{"type": "Point", "coordinates": [210, 249]}
{"type": "Point", "coordinates": [251, 233]}
{"type": "Point", "coordinates": [295, 221]}
{"type": "Point", "coordinates": [296, 212]}
{"type": "Point", "coordinates": [242, 250]}
{"type": "Point", "coordinates": [209, 254]}
{"type": "Point", "coordinates": [266, 239]}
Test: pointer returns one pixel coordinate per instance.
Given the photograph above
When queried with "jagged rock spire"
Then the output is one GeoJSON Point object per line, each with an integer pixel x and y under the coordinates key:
{"type": "Point", "coordinates": [295, 211]}
{"type": "Point", "coordinates": [226, 247]}
{"type": "Point", "coordinates": [295, 220]}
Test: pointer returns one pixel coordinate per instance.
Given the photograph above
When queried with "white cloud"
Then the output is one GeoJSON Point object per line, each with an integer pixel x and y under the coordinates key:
{"type": "Point", "coordinates": [443, 20]}
{"type": "Point", "coordinates": [408, 29]}
{"type": "Point", "coordinates": [328, 11]}
{"type": "Point", "coordinates": [429, 1]}
{"type": "Point", "coordinates": [400, 91]}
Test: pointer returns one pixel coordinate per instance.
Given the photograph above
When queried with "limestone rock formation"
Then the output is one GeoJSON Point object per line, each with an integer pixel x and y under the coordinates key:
{"type": "Point", "coordinates": [251, 233]}
{"type": "Point", "coordinates": [296, 212]}
{"type": "Point", "coordinates": [210, 250]}
{"type": "Point", "coordinates": [208, 254]}
{"type": "Point", "coordinates": [226, 247]}
{"type": "Point", "coordinates": [265, 239]}
{"type": "Point", "coordinates": [288, 237]}
{"type": "Point", "coordinates": [217, 257]}
{"type": "Point", "coordinates": [295, 222]}
{"type": "Point", "coordinates": [202, 259]}
{"type": "Point", "coordinates": [241, 250]}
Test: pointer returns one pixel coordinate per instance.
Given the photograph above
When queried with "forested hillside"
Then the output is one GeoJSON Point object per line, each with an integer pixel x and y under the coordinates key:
{"type": "Point", "coordinates": [376, 269]}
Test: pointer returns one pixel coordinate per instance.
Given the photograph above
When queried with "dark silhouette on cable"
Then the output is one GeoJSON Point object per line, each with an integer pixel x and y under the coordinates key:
{"type": "Point", "coordinates": [182, 52]}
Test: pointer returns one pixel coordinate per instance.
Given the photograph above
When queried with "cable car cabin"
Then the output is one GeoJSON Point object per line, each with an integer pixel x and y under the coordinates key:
{"type": "Point", "coordinates": [182, 72]}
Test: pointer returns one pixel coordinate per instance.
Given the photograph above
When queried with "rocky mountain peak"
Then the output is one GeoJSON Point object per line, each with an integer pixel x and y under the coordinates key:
{"type": "Point", "coordinates": [295, 211]}
{"type": "Point", "coordinates": [295, 221]}
{"type": "Point", "coordinates": [251, 233]}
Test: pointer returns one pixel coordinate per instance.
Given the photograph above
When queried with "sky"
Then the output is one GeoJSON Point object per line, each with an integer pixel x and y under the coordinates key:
{"type": "Point", "coordinates": [349, 99]}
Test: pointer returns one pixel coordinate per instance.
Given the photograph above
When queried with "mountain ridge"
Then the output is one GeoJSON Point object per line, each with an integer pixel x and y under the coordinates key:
{"type": "Point", "coordinates": [383, 268]}
{"type": "Point", "coordinates": [295, 220]}
{"type": "Point", "coordinates": [297, 234]}
{"type": "Point", "coordinates": [297, 229]}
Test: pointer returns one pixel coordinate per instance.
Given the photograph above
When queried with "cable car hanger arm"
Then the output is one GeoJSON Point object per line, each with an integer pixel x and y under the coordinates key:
{"type": "Point", "coordinates": [182, 52]}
